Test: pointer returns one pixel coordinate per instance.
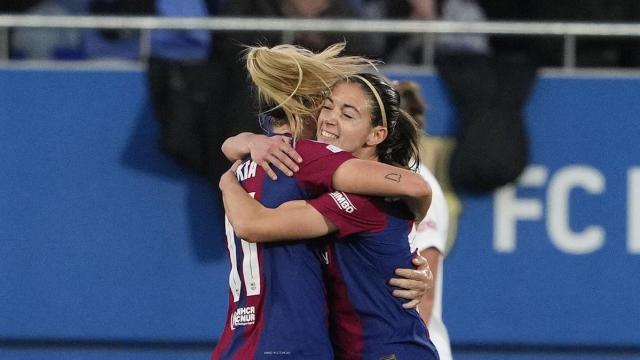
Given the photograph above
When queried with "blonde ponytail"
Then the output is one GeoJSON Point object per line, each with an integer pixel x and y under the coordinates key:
{"type": "Point", "coordinates": [295, 79]}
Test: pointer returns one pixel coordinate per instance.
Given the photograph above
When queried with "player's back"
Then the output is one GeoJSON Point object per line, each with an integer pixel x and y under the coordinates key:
{"type": "Point", "coordinates": [277, 300]}
{"type": "Point", "coordinates": [367, 321]}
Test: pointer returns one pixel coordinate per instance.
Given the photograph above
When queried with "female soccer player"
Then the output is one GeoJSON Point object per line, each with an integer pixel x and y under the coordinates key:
{"type": "Point", "coordinates": [277, 297]}
{"type": "Point", "coordinates": [361, 115]}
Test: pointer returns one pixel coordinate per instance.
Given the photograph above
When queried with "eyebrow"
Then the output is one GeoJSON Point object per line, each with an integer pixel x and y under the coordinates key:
{"type": "Point", "coordinates": [344, 105]}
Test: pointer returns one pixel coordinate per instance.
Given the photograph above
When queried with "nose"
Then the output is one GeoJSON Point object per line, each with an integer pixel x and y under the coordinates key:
{"type": "Point", "coordinates": [330, 117]}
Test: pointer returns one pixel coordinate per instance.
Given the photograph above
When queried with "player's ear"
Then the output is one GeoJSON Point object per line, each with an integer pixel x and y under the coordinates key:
{"type": "Point", "coordinates": [377, 135]}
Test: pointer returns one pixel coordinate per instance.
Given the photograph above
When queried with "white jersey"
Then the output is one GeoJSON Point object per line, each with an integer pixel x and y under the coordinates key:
{"type": "Point", "coordinates": [432, 232]}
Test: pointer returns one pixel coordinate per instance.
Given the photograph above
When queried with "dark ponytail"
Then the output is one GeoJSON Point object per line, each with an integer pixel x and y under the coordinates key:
{"type": "Point", "coordinates": [401, 147]}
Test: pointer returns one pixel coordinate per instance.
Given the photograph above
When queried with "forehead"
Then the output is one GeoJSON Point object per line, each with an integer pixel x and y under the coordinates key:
{"type": "Point", "coordinates": [350, 93]}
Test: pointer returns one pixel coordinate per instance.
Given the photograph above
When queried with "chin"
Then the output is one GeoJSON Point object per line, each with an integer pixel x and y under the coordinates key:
{"type": "Point", "coordinates": [333, 142]}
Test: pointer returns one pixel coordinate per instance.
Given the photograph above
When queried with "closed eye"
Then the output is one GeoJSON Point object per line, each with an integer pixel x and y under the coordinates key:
{"type": "Point", "coordinates": [327, 104]}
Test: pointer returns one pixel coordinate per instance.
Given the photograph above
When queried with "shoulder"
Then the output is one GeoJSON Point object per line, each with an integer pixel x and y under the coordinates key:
{"type": "Point", "coordinates": [311, 150]}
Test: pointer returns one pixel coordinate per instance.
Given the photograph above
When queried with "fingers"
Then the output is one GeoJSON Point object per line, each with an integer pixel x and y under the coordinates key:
{"type": "Point", "coordinates": [413, 284]}
{"type": "Point", "coordinates": [275, 160]}
{"type": "Point", "coordinates": [407, 284]}
{"type": "Point", "coordinates": [287, 155]}
{"type": "Point", "coordinates": [412, 290]}
{"type": "Point", "coordinates": [411, 295]}
{"type": "Point", "coordinates": [419, 261]}
{"type": "Point", "coordinates": [268, 170]}
{"type": "Point", "coordinates": [290, 151]}
{"type": "Point", "coordinates": [411, 304]}
{"type": "Point", "coordinates": [422, 264]}
{"type": "Point", "coordinates": [419, 275]}
{"type": "Point", "coordinates": [284, 163]}
{"type": "Point", "coordinates": [279, 153]}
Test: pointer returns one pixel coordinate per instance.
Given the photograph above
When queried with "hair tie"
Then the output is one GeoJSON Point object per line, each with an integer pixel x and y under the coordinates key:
{"type": "Point", "coordinates": [377, 96]}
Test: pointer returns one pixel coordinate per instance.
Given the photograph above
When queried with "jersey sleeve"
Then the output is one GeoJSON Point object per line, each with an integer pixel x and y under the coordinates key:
{"type": "Point", "coordinates": [319, 162]}
{"type": "Point", "coordinates": [432, 230]}
{"type": "Point", "coordinates": [350, 213]}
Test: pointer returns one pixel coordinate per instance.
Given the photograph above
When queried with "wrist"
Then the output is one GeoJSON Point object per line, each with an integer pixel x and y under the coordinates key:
{"type": "Point", "coordinates": [252, 139]}
{"type": "Point", "coordinates": [227, 178]}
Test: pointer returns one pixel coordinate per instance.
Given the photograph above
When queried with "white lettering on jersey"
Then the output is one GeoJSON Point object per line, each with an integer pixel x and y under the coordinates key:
{"type": "Point", "coordinates": [334, 149]}
{"type": "Point", "coordinates": [250, 263]}
{"type": "Point", "coordinates": [246, 170]}
{"type": "Point", "coordinates": [324, 256]}
{"type": "Point", "coordinates": [234, 277]}
{"type": "Point", "coordinates": [243, 316]}
{"type": "Point", "coordinates": [251, 268]}
{"type": "Point", "coordinates": [343, 201]}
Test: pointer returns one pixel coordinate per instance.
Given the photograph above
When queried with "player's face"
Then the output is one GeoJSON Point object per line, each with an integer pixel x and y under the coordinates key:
{"type": "Point", "coordinates": [345, 117]}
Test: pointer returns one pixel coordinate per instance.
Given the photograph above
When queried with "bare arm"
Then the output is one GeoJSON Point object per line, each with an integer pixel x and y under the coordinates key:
{"type": "Point", "coordinates": [373, 178]}
{"type": "Point", "coordinates": [237, 147]}
{"type": "Point", "coordinates": [426, 305]}
{"type": "Point", "coordinates": [253, 222]}
{"type": "Point", "coordinates": [354, 176]}
{"type": "Point", "coordinates": [264, 150]}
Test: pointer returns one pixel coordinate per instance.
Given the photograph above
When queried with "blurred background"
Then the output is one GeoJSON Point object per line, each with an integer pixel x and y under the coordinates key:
{"type": "Point", "coordinates": [111, 119]}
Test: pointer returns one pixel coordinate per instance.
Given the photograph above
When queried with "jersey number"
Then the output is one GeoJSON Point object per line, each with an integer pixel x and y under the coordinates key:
{"type": "Point", "coordinates": [250, 264]}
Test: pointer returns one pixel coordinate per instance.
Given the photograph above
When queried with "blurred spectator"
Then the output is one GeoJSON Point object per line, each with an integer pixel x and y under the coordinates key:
{"type": "Point", "coordinates": [543, 50]}
{"type": "Point", "coordinates": [407, 48]}
{"type": "Point", "coordinates": [115, 43]}
{"type": "Point", "coordinates": [591, 52]}
{"type": "Point", "coordinates": [181, 82]}
{"type": "Point", "coordinates": [489, 86]}
{"type": "Point", "coordinates": [17, 6]}
{"type": "Point", "coordinates": [463, 10]}
{"type": "Point", "coordinates": [547, 50]}
{"type": "Point", "coordinates": [182, 44]}
{"type": "Point", "coordinates": [62, 44]}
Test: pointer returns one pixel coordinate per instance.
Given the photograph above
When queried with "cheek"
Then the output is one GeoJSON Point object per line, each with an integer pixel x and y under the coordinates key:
{"type": "Point", "coordinates": [322, 115]}
{"type": "Point", "coordinates": [354, 130]}
{"type": "Point", "coordinates": [321, 121]}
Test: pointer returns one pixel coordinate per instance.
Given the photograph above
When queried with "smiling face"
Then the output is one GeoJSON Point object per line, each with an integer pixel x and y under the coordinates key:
{"type": "Point", "coordinates": [345, 121]}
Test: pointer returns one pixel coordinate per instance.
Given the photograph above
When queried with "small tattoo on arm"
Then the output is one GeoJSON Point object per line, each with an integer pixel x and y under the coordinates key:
{"type": "Point", "coordinates": [393, 177]}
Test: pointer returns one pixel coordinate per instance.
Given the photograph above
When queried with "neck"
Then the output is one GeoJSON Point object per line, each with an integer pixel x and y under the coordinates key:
{"type": "Point", "coordinates": [366, 153]}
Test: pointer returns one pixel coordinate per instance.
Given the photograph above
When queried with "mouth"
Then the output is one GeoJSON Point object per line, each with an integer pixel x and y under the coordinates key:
{"type": "Point", "coordinates": [328, 135]}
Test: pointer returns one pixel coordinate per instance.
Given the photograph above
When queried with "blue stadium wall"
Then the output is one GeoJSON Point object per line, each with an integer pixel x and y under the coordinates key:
{"type": "Point", "coordinates": [108, 249]}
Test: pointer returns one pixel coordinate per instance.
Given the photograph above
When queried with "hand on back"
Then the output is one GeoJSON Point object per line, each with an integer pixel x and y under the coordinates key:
{"type": "Point", "coordinates": [274, 150]}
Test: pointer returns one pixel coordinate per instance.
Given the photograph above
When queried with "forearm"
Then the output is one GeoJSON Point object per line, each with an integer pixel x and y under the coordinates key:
{"type": "Point", "coordinates": [254, 222]}
{"type": "Point", "coordinates": [261, 224]}
{"type": "Point", "coordinates": [239, 206]}
{"type": "Point", "coordinates": [373, 178]}
{"type": "Point", "coordinates": [377, 179]}
{"type": "Point", "coordinates": [237, 147]}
